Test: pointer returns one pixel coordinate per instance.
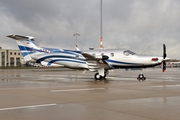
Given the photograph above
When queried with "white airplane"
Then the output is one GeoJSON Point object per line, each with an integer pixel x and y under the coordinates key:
{"type": "Point", "coordinates": [100, 61]}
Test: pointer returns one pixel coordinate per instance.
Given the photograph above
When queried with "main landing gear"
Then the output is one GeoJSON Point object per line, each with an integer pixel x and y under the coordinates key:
{"type": "Point", "coordinates": [101, 74]}
{"type": "Point", "coordinates": [99, 77]}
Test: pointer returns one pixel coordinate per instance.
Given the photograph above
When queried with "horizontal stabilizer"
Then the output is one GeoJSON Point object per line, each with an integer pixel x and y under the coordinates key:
{"type": "Point", "coordinates": [19, 37]}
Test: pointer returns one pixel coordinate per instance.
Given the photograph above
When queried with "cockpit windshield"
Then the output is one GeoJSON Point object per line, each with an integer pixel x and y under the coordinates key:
{"type": "Point", "coordinates": [128, 52]}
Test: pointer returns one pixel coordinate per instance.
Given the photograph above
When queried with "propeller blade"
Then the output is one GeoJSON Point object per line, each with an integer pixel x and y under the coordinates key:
{"type": "Point", "coordinates": [164, 56]}
{"type": "Point", "coordinates": [164, 51]}
{"type": "Point", "coordinates": [164, 66]}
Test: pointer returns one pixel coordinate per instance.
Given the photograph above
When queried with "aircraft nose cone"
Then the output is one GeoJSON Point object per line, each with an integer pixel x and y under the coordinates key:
{"type": "Point", "coordinates": [160, 59]}
{"type": "Point", "coordinates": [166, 59]}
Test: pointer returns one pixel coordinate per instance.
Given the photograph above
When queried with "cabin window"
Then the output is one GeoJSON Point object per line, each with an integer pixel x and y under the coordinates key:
{"type": "Point", "coordinates": [112, 54]}
{"type": "Point", "coordinates": [77, 56]}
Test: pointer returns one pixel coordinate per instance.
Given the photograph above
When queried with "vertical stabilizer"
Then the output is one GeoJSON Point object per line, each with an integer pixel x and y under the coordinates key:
{"type": "Point", "coordinates": [26, 45]}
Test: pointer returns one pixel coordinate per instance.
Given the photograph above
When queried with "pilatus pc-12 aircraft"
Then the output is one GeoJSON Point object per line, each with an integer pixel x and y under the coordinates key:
{"type": "Point", "coordinates": [99, 61]}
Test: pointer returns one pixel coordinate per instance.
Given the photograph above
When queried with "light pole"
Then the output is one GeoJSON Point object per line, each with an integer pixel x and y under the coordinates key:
{"type": "Point", "coordinates": [76, 34]}
{"type": "Point", "coordinates": [101, 34]}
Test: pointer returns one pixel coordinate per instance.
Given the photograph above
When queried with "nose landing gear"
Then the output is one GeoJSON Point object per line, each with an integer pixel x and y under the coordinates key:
{"type": "Point", "coordinates": [141, 77]}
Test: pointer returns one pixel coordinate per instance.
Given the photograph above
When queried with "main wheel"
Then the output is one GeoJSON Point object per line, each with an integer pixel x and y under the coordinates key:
{"type": "Point", "coordinates": [97, 76]}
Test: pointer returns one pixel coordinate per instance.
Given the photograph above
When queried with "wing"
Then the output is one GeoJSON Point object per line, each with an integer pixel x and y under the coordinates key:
{"type": "Point", "coordinates": [89, 56]}
{"type": "Point", "coordinates": [96, 62]}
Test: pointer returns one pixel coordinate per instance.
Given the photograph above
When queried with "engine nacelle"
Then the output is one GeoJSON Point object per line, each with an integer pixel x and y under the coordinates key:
{"type": "Point", "coordinates": [102, 57]}
{"type": "Point", "coordinates": [105, 57]}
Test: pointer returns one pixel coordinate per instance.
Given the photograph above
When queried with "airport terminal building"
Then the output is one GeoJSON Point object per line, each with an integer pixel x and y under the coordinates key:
{"type": "Point", "coordinates": [10, 57]}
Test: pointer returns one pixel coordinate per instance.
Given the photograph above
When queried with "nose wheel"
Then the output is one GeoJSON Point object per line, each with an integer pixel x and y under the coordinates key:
{"type": "Point", "coordinates": [141, 77]}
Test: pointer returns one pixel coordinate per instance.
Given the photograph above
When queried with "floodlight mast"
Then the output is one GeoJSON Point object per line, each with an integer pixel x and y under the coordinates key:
{"type": "Point", "coordinates": [76, 34]}
{"type": "Point", "coordinates": [101, 36]}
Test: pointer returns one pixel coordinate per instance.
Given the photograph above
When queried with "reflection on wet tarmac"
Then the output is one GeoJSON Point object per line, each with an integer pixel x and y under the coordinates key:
{"type": "Point", "coordinates": [67, 94]}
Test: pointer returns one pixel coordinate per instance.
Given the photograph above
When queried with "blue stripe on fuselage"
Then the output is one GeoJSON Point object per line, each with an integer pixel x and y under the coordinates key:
{"type": "Point", "coordinates": [58, 56]}
{"type": "Point", "coordinates": [55, 50]}
{"type": "Point", "coordinates": [24, 48]}
{"type": "Point", "coordinates": [32, 50]}
{"type": "Point", "coordinates": [119, 62]}
{"type": "Point", "coordinates": [24, 53]}
{"type": "Point", "coordinates": [75, 51]}
{"type": "Point", "coordinates": [65, 61]}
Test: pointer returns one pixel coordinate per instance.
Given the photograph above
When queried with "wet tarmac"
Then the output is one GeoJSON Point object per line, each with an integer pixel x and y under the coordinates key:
{"type": "Point", "coordinates": [63, 94]}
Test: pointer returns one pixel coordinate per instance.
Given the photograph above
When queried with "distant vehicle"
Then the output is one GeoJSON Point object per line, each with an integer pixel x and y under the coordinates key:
{"type": "Point", "coordinates": [100, 61]}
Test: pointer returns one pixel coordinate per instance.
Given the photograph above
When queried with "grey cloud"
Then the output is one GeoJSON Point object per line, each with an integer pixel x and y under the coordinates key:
{"type": "Point", "coordinates": [139, 25]}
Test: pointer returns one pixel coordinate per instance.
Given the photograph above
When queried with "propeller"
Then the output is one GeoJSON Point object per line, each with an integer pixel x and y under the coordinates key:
{"type": "Point", "coordinates": [164, 57]}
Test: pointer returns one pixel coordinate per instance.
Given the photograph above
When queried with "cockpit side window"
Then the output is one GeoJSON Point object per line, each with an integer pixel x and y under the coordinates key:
{"type": "Point", "coordinates": [128, 52]}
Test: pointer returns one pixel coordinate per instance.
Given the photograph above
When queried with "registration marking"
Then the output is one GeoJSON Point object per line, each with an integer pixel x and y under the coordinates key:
{"type": "Point", "coordinates": [25, 107]}
{"type": "Point", "coordinates": [74, 90]}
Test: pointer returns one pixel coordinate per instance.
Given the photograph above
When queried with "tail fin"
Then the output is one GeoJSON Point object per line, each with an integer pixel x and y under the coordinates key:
{"type": "Point", "coordinates": [26, 45]}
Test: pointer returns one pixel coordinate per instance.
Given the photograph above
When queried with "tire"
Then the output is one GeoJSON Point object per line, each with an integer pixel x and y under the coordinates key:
{"type": "Point", "coordinates": [97, 76]}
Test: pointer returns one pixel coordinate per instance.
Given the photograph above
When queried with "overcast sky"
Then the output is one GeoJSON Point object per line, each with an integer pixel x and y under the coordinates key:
{"type": "Point", "coordinates": [139, 25]}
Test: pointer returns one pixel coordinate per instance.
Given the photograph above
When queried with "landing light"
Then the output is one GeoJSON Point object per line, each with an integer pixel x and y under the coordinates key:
{"type": "Point", "coordinates": [154, 59]}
